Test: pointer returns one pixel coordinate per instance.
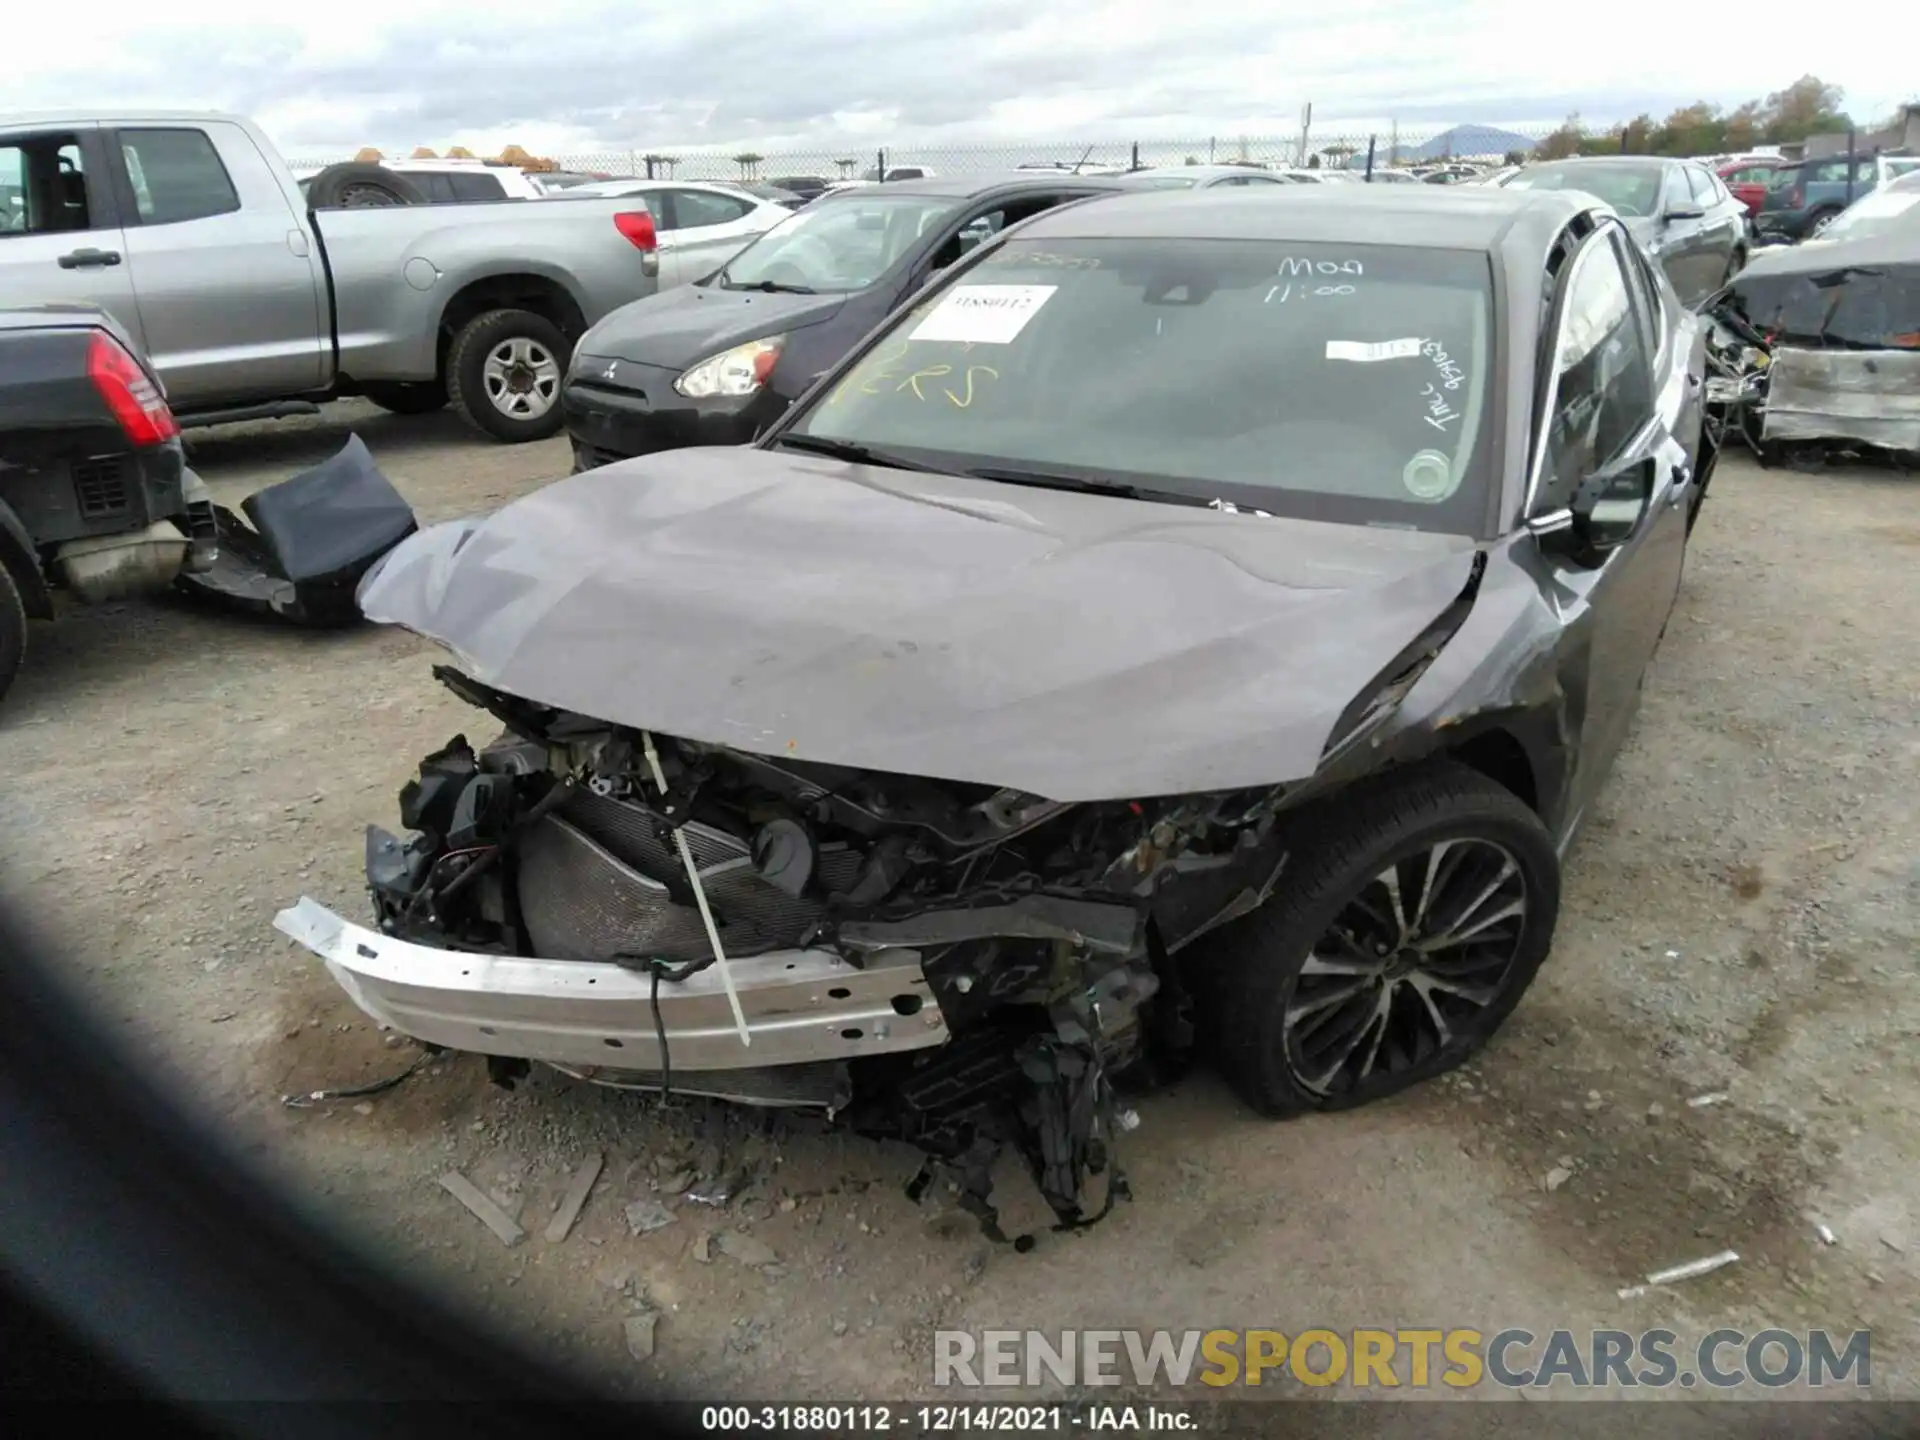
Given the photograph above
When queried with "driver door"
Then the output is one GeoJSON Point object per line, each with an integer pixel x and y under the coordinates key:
{"type": "Point", "coordinates": [1607, 415]}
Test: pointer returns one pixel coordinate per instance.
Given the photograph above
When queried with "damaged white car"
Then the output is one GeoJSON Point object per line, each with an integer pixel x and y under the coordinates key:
{"type": "Point", "coordinates": [1195, 625]}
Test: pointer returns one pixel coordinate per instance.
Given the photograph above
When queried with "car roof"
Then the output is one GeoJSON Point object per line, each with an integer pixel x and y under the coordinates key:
{"type": "Point", "coordinates": [1422, 216]}
{"type": "Point", "coordinates": [634, 183]}
{"type": "Point", "coordinates": [1643, 162]}
{"type": "Point", "coordinates": [961, 187]}
{"type": "Point", "coordinates": [1202, 172]}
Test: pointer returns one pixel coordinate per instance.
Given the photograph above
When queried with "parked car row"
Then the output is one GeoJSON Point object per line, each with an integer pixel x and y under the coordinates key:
{"type": "Point", "coordinates": [1683, 213]}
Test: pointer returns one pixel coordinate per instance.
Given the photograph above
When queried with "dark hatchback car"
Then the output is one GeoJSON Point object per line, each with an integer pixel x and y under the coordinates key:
{"type": "Point", "coordinates": [714, 362]}
{"type": "Point", "coordinates": [1197, 625]}
{"type": "Point", "coordinates": [1803, 199]}
{"type": "Point", "coordinates": [1678, 209]}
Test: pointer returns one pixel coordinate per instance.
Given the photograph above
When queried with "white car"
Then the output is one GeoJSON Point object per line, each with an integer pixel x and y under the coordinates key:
{"type": "Point", "coordinates": [450, 182]}
{"type": "Point", "coordinates": [874, 177]}
{"type": "Point", "coordinates": [1892, 167]}
{"type": "Point", "coordinates": [446, 182]}
{"type": "Point", "coordinates": [700, 225]}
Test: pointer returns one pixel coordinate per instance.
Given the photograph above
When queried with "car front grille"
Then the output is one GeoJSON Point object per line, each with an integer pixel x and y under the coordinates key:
{"type": "Point", "coordinates": [100, 485]}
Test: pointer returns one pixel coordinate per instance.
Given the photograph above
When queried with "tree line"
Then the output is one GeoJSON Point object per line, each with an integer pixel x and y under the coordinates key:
{"type": "Point", "coordinates": [1807, 107]}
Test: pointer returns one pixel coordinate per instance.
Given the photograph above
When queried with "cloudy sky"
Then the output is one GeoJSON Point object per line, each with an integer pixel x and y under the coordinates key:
{"type": "Point", "coordinates": [574, 76]}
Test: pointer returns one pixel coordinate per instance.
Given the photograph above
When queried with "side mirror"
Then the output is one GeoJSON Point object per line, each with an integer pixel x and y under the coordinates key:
{"type": "Point", "coordinates": [1607, 507]}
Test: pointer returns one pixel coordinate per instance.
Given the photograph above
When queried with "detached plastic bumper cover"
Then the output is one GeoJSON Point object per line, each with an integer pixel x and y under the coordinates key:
{"type": "Point", "coordinates": [801, 1005]}
{"type": "Point", "coordinates": [310, 540]}
{"type": "Point", "coordinates": [1871, 397]}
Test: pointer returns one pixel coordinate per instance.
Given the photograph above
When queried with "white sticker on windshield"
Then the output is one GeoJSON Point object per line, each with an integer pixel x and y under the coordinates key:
{"type": "Point", "coordinates": [983, 314]}
{"type": "Point", "coordinates": [1383, 350]}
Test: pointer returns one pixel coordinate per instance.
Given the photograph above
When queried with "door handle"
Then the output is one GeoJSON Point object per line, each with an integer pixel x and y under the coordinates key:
{"type": "Point", "coordinates": [1682, 477]}
{"type": "Point", "coordinates": [78, 259]}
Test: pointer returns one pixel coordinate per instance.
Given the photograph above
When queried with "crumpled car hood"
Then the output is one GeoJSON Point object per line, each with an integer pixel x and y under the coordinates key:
{"type": "Point", "coordinates": [1079, 647]}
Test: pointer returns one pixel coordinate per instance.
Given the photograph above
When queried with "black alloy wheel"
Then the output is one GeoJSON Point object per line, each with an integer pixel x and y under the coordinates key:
{"type": "Point", "coordinates": [1413, 912]}
{"type": "Point", "coordinates": [1417, 956]}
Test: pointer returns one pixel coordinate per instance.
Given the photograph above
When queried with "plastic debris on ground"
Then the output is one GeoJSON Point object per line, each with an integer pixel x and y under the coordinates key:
{"type": "Point", "coordinates": [1674, 1274]}
{"type": "Point", "coordinates": [304, 545]}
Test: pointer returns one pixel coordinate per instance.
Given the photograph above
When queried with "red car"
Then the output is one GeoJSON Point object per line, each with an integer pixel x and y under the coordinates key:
{"type": "Point", "coordinates": [1747, 179]}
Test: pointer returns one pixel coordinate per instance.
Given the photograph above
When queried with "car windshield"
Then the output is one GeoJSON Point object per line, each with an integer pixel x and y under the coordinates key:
{"type": "Point", "coordinates": [1880, 213]}
{"type": "Point", "coordinates": [840, 244]}
{"type": "Point", "coordinates": [1331, 381]}
{"type": "Point", "coordinates": [1630, 189]}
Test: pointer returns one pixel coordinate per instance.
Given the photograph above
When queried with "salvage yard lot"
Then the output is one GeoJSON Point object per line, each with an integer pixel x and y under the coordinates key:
{"type": "Point", "coordinates": [1742, 916]}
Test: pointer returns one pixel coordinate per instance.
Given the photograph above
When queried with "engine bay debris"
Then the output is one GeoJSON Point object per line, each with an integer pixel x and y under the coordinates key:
{"type": "Point", "coordinates": [968, 969]}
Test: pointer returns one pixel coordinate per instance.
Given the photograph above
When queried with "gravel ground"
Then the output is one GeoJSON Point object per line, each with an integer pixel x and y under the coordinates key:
{"type": "Point", "coordinates": [1740, 917]}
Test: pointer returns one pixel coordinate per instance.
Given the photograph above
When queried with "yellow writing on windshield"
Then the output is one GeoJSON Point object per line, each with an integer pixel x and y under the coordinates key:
{"type": "Point", "coordinates": [884, 368]}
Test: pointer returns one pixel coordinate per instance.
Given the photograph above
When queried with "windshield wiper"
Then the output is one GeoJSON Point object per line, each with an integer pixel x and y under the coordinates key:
{"type": "Point", "coordinates": [768, 287]}
{"type": "Point", "coordinates": [1048, 480]}
{"type": "Point", "coordinates": [849, 450]}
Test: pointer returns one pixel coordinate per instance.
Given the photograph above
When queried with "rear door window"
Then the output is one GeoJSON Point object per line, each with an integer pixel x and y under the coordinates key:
{"type": "Point", "coordinates": [479, 186]}
{"type": "Point", "coordinates": [43, 186]}
{"type": "Point", "coordinates": [692, 209]}
{"type": "Point", "coordinates": [177, 176]}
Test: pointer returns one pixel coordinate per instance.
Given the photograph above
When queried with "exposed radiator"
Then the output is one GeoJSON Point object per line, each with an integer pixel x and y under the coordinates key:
{"type": "Point", "coordinates": [597, 877]}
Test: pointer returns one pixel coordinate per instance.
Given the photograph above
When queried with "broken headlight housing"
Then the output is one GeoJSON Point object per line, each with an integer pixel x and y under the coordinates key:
{"type": "Point", "coordinates": [739, 371]}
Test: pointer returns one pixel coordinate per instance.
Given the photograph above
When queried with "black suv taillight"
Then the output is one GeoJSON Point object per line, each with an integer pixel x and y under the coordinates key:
{"type": "Point", "coordinates": [136, 402]}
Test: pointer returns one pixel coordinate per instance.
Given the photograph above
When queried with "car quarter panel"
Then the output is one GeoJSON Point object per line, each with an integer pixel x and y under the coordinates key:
{"type": "Point", "coordinates": [395, 276]}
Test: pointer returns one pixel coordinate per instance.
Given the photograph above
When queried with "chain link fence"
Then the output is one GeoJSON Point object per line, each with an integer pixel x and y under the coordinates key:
{"type": "Point", "coordinates": [1391, 147]}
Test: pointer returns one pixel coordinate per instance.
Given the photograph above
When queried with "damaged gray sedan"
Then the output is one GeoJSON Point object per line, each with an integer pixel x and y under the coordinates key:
{"type": "Point", "coordinates": [1194, 626]}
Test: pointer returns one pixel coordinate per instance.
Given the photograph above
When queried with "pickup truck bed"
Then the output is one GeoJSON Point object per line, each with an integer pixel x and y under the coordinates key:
{"type": "Point", "coordinates": [190, 231]}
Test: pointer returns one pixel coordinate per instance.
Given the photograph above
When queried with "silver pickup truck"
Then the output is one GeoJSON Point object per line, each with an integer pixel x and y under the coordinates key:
{"type": "Point", "coordinates": [189, 229]}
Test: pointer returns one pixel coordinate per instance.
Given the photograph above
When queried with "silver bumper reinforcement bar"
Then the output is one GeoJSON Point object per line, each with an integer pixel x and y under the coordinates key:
{"type": "Point", "coordinates": [801, 1006]}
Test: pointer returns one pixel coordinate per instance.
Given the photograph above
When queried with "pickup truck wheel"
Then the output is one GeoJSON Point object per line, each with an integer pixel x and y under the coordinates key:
{"type": "Point", "coordinates": [421, 397]}
{"type": "Point", "coordinates": [504, 374]}
{"type": "Point", "coordinates": [13, 630]}
{"type": "Point", "coordinates": [1406, 929]}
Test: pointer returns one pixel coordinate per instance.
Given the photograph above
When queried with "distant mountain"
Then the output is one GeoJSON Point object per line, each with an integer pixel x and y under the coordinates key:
{"type": "Point", "coordinates": [1471, 140]}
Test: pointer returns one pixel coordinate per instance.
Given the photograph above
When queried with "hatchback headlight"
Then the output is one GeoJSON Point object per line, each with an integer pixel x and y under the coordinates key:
{"type": "Point", "coordinates": [739, 371]}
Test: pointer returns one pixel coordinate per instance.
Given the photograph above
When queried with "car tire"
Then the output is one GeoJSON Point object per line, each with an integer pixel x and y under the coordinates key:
{"type": "Point", "coordinates": [504, 374]}
{"type": "Point", "coordinates": [1818, 222]}
{"type": "Point", "coordinates": [13, 629]}
{"type": "Point", "coordinates": [1269, 1015]}
{"type": "Point", "coordinates": [411, 397]}
{"type": "Point", "coordinates": [357, 184]}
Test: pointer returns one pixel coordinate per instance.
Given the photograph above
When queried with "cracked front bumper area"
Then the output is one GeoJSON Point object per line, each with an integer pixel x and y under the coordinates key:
{"type": "Point", "coordinates": [802, 1006]}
